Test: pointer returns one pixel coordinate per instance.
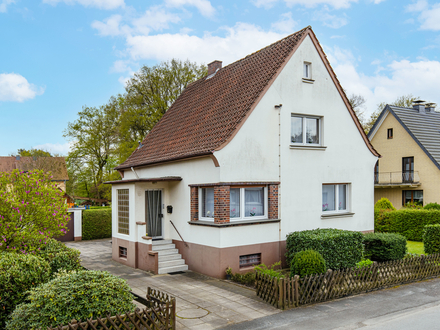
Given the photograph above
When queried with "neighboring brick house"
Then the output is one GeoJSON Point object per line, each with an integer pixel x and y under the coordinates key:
{"type": "Point", "coordinates": [255, 150]}
{"type": "Point", "coordinates": [56, 165]}
{"type": "Point", "coordinates": [408, 140]}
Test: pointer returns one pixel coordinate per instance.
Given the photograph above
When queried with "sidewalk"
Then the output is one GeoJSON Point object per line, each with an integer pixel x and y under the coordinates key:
{"type": "Point", "coordinates": [202, 302]}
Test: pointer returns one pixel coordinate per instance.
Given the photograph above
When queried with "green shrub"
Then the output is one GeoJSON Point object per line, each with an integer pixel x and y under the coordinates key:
{"type": "Point", "coordinates": [414, 205]}
{"type": "Point", "coordinates": [407, 222]}
{"type": "Point", "coordinates": [76, 295]}
{"type": "Point", "coordinates": [262, 268]}
{"type": "Point", "coordinates": [432, 206]}
{"type": "Point", "coordinates": [384, 246]}
{"type": "Point", "coordinates": [247, 278]}
{"type": "Point", "coordinates": [59, 256]}
{"type": "Point", "coordinates": [384, 204]}
{"type": "Point", "coordinates": [96, 224]}
{"type": "Point", "coordinates": [339, 248]}
{"type": "Point", "coordinates": [18, 273]}
{"type": "Point", "coordinates": [364, 263]}
{"type": "Point", "coordinates": [431, 239]}
{"type": "Point", "coordinates": [308, 262]}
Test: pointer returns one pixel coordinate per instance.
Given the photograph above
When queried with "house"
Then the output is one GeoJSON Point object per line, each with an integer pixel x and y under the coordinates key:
{"type": "Point", "coordinates": [409, 141]}
{"type": "Point", "coordinates": [56, 165]}
{"type": "Point", "coordinates": [255, 150]}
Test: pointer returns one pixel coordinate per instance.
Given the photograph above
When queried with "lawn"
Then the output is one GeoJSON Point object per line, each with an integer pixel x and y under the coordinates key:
{"type": "Point", "coordinates": [415, 247]}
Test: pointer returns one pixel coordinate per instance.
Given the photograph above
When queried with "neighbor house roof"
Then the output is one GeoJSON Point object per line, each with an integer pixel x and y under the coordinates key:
{"type": "Point", "coordinates": [424, 128]}
{"type": "Point", "coordinates": [56, 165]}
{"type": "Point", "coordinates": [210, 111]}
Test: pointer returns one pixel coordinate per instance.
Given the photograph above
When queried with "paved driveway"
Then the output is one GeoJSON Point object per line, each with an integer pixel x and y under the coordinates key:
{"type": "Point", "coordinates": [202, 302]}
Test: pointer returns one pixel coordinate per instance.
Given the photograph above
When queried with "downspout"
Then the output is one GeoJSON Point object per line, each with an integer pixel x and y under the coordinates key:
{"type": "Point", "coordinates": [135, 172]}
{"type": "Point", "coordinates": [278, 107]}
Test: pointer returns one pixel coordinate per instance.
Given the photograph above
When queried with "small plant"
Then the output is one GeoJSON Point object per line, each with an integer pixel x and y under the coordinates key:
{"type": "Point", "coordinates": [308, 262]}
{"type": "Point", "coordinates": [247, 279]}
{"type": "Point", "coordinates": [364, 263]}
{"type": "Point", "coordinates": [413, 206]}
{"type": "Point", "coordinates": [228, 271]}
{"type": "Point", "coordinates": [431, 239]}
{"type": "Point", "coordinates": [262, 268]}
{"type": "Point", "coordinates": [384, 204]}
{"type": "Point", "coordinates": [253, 212]}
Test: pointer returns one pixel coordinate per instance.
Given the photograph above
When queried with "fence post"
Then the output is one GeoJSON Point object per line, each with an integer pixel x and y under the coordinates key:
{"type": "Point", "coordinates": [281, 293]}
{"type": "Point", "coordinates": [296, 290]}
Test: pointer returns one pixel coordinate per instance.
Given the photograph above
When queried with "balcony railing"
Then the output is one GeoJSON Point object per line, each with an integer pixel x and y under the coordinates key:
{"type": "Point", "coordinates": [410, 178]}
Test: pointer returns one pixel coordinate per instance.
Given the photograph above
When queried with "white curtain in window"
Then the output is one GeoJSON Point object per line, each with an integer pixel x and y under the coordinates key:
{"type": "Point", "coordinates": [342, 197]}
{"type": "Point", "coordinates": [312, 130]}
{"type": "Point", "coordinates": [208, 203]}
{"type": "Point", "coordinates": [328, 197]}
{"type": "Point", "coordinates": [297, 129]}
{"type": "Point", "coordinates": [234, 202]}
{"type": "Point", "coordinates": [254, 202]}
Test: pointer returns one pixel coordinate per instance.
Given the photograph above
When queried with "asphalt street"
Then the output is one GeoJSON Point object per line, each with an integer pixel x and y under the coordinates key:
{"type": "Point", "coordinates": [407, 307]}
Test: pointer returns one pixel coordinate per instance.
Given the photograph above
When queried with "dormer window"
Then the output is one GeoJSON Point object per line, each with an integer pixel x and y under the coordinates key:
{"type": "Point", "coordinates": [307, 70]}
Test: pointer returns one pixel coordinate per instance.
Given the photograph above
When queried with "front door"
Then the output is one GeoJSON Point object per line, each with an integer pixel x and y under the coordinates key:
{"type": "Point", "coordinates": [153, 213]}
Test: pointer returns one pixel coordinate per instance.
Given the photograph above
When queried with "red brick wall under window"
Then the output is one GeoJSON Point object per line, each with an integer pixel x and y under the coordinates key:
{"type": "Point", "coordinates": [273, 201]}
{"type": "Point", "coordinates": [221, 203]}
{"type": "Point", "coordinates": [194, 203]}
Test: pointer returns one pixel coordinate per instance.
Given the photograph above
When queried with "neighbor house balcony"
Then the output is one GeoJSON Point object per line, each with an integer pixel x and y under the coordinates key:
{"type": "Point", "coordinates": [396, 179]}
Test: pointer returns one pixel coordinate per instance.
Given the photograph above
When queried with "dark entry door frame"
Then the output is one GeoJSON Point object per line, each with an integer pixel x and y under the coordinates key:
{"type": "Point", "coordinates": [154, 213]}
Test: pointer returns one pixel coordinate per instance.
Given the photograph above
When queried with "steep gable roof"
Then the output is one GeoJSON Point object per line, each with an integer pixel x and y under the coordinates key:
{"type": "Point", "coordinates": [56, 165]}
{"type": "Point", "coordinates": [210, 111]}
{"type": "Point", "coordinates": [424, 128]}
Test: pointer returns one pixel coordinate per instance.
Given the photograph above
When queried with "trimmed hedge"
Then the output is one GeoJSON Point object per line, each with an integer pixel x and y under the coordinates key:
{"type": "Point", "coordinates": [431, 239]}
{"type": "Point", "coordinates": [339, 248]}
{"type": "Point", "coordinates": [308, 262]}
{"type": "Point", "coordinates": [384, 246]}
{"type": "Point", "coordinates": [432, 206]}
{"type": "Point", "coordinates": [18, 274]}
{"type": "Point", "coordinates": [96, 224]}
{"type": "Point", "coordinates": [76, 295]}
{"type": "Point", "coordinates": [407, 222]}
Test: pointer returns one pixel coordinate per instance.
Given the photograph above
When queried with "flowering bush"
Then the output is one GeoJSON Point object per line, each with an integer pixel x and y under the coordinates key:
{"type": "Point", "coordinates": [32, 210]}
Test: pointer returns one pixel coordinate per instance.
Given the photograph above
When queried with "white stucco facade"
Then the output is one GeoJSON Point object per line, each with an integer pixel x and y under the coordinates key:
{"type": "Point", "coordinates": [261, 151]}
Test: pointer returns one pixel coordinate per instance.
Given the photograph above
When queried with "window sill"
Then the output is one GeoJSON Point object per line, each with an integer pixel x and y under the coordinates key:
{"type": "Point", "coordinates": [337, 215]}
{"type": "Point", "coordinates": [308, 81]}
{"type": "Point", "coordinates": [232, 223]}
{"type": "Point", "coordinates": [306, 147]}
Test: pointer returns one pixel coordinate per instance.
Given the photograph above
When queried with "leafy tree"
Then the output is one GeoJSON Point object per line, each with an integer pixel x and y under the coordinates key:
{"type": "Point", "coordinates": [33, 153]}
{"type": "Point", "coordinates": [357, 102]}
{"type": "Point", "coordinates": [95, 137]}
{"type": "Point", "coordinates": [32, 210]}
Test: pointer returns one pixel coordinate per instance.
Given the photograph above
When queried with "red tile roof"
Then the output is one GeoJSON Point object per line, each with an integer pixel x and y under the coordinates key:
{"type": "Point", "coordinates": [56, 165]}
{"type": "Point", "coordinates": [209, 111]}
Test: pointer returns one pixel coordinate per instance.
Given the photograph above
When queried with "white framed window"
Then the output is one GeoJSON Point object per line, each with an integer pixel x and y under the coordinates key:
{"type": "Point", "coordinates": [206, 204]}
{"type": "Point", "coordinates": [248, 203]}
{"type": "Point", "coordinates": [307, 74]}
{"type": "Point", "coordinates": [335, 198]}
{"type": "Point", "coordinates": [306, 130]}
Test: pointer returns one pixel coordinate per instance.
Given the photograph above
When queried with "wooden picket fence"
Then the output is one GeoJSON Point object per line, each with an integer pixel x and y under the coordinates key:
{"type": "Point", "coordinates": [159, 314]}
{"type": "Point", "coordinates": [292, 292]}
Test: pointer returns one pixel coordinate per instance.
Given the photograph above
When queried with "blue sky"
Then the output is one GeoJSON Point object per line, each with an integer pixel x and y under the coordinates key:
{"type": "Point", "coordinates": [60, 55]}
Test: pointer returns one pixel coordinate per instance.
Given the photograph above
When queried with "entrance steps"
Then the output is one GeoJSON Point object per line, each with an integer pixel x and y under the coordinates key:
{"type": "Point", "coordinates": [170, 260]}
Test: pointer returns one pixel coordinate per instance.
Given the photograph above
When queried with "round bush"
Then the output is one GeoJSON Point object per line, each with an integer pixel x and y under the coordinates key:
{"type": "Point", "coordinates": [432, 206]}
{"type": "Point", "coordinates": [75, 295]}
{"type": "Point", "coordinates": [18, 274]}
{"type": "Point", "coordinates": [431, 239]}
{"type": "Point", "coordinates": [59, 256]}
{"type": "Point", "coordinates": [384, 204]}
{"type": "Point", "coordinates": [307, 262]}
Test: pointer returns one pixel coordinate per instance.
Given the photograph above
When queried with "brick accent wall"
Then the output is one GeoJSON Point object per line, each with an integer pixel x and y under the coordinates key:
{"type": "Point", "coordinates": [194, 203]}
{"type": "Point", "coordinates": [273, 201]}
{"type": "Point", "coordinates": [221, 204]}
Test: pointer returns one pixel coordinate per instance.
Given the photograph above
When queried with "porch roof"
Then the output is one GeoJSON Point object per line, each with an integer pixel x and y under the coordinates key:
{"type": "Point", "coordinates": [164, 178]}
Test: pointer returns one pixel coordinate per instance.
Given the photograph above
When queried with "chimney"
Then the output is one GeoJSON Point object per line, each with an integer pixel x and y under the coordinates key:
{"type": "Point", "coordinates": [214, 66]}
{"type": "Point", "coordinates": [419, 105]}
{"type": "Point", "coordinates": [430, 107]}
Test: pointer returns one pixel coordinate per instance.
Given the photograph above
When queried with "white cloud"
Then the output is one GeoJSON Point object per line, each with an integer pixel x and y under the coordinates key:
{"type": "Point", "coordinates": [4, 5]}
{"type": "Point", "coordinates": [308, 3]}
{"type": "Point", "coordinates": [332, 21]}
{"type": "Point", "coordinates": [204, 6]}
{"type": "Point", "coordinates": [417, 6]}
{"type": "Point", "coordinates": [121, 66]}
{"type": "Point", "coordinates": [110, 26]}
{"type": "Point", "coordinates": [240, 40]}
{"type": "Point", "coordinates": [55, 148]}
{"type": "Point", "coordinates": [16, 88]}
{"type": "Point", "coordinates": [429, 15]}
{"type": "Point", "coordinates": [397, 78]}
{"type": "Point", "coordinates": [101, 4]}
{"type": "Point", "coordinates": [264, 3]}
{"type": "Point", "coordinates": [286, 24]}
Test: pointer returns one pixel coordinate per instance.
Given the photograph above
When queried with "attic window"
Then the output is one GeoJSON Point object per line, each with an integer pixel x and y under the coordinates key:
{"type": "Point", "coordinates": [389, 133]}
{"type": "Point", "coordinates": [307, 73]}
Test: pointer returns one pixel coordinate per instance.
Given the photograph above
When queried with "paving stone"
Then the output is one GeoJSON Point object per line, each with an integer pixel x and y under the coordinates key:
{"type": "Point", "coordinates": [192, 313]}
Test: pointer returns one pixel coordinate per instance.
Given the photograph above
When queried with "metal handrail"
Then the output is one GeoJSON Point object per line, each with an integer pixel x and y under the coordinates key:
{"type": "Point", "coordinates": [179, 234]}
{"type": "Point", "coordinates": [406, 177]}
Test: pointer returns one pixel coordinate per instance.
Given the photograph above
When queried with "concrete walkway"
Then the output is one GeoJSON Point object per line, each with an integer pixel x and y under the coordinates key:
{"type": "Point", "coordinates": [202, 302]}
